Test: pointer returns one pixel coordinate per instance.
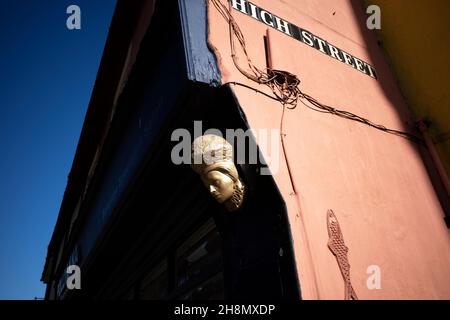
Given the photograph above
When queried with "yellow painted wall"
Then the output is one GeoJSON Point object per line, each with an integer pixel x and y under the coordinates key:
{"type": "Point", "coordinates": [415, 35]}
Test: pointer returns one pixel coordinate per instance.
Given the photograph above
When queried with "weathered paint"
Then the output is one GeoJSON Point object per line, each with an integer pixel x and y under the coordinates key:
{"type": "Point", "coordinates": [376, 183]}
{"type": "Point", "coordinates": [200, 62]}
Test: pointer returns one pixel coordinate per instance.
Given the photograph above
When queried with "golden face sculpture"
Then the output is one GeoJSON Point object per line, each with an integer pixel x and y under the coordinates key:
{"type": "Point", "coordinates": [212, 159]}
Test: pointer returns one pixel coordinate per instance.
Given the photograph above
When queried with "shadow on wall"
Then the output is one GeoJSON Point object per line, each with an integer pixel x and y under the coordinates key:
{"type": "Point", "coordinates": [391, 89]}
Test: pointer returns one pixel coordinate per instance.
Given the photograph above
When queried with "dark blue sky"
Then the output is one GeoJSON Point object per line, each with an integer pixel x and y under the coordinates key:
{"type": "Point", "coordinates": [47, 73]}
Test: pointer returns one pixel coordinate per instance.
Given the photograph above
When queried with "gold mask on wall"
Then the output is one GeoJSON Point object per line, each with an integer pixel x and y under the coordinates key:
{"type": "Point", "coordinates": [212, 159]}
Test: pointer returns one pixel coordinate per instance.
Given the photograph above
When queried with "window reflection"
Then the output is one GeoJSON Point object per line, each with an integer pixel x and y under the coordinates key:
{"type": "Point", "coordinates": [195, 269]}
{"type": "Point", "coordinates": [200, 256]}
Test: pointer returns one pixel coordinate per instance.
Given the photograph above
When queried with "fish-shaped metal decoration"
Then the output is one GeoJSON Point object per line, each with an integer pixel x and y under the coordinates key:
{"type": "Point", "coordinates": [340, 250]}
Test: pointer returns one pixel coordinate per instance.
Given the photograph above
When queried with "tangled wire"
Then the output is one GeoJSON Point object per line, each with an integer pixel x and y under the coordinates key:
{"type": "Point", "coordinates": [285, 85]}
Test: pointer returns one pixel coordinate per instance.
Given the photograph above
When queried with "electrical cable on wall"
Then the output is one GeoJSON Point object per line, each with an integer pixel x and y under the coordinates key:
{"type": "Point", "coordinates": [286, 90]}
{"type": "Point", "coordinates": [285, 85]}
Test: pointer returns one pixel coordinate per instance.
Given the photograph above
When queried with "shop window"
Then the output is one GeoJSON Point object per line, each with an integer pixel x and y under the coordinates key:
{"type": "Point", "coordinates": [199, 264]}
{"type": "Point", "coordinates": [193, 271]}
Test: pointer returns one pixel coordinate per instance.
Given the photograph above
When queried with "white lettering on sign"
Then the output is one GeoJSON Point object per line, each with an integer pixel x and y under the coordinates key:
{"type": "Point", "coordinates": [304, 36]}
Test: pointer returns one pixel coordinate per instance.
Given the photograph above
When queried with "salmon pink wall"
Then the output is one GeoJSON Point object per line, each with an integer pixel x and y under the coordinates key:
{"type": "Point", "coordinates": [376, 183]}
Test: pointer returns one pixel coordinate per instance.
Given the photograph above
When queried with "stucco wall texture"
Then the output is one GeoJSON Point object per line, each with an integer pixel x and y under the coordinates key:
{"type": "Point", "coordinates": [375, 182]}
